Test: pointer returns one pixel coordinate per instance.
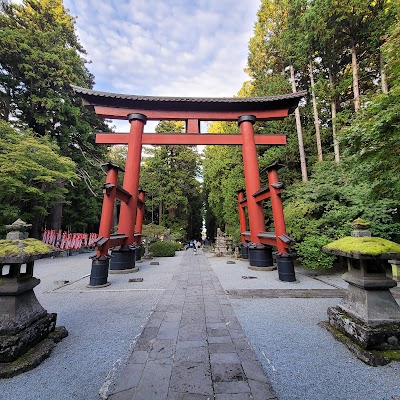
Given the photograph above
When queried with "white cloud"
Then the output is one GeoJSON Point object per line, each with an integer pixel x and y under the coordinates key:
{"type": "Point", "coordinates": [171, 47]}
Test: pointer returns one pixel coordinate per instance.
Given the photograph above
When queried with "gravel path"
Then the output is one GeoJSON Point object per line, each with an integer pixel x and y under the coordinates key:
{"type": "Point", "coordinates": [301, 358]}
{"type": "Point", "coordinates": [102, 326]}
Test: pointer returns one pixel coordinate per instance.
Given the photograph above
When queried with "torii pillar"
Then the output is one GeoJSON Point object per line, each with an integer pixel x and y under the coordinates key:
{"type": "Point", "coordinates": [257, 251]}
{"type": "Point", "coordinates": [251, 175]}
{"type": "Point", "coordinates": [124, 257]}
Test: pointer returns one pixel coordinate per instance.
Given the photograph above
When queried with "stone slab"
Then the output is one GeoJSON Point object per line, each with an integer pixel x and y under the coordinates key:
{"type": "Point", "coordinates": [193, 346]}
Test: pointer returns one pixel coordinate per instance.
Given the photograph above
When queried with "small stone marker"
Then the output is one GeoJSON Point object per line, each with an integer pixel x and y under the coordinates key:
{"type": "Point", "coordinates": [61, 282]}
{"type": "Point", "coordinates": [135, 280]}
{"type": "Point", "coordinates": [249, 277]}
{"type": "Point", "coordinates": [154, 263]}
{"type": "Point", "coordinates": [230, 262]}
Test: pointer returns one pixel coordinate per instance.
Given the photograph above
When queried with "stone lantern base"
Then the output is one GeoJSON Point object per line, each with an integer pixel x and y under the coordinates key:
{"type": "Point", "coordinates": [28, 332]}
{"type": "Point", "coordinates": [373, 345]}
{"type": "Point", "coordinates": [367, 320]}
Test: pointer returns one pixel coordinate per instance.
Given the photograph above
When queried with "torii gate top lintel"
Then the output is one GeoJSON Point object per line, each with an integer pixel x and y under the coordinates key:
{"type": "Point", "coordinates": [118, 106]}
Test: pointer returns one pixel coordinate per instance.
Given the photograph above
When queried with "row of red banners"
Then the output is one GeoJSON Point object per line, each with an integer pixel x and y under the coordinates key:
{"type": "Point", "coordinates": [66, 241]}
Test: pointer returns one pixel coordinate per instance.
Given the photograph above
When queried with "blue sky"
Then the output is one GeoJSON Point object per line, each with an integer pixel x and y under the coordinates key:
{"type": "Point", "coordinates": [194, 48]}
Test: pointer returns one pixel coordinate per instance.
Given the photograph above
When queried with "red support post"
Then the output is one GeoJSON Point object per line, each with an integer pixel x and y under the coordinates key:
{"type": "Point", "coordinates": [192, 126]}
{"type": "Point", "coordinates": [107, 211]}
{"type": "Point", "coordinates": [252, 176]}
{"type": "Point", "coordinates": [127, 218]}
{"type": "Point", "coordinates": [140, 216]}
{"type": "Point", "coordinates": [277, 207]}
{"type": "Point", "coordinates": [242, 215]}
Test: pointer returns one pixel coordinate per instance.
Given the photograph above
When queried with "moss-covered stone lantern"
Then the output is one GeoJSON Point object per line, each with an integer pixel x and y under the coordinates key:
{"type": "Point", "coordinates": [27, 331]}
{"type": "Point", "coordinates": [368, 315]}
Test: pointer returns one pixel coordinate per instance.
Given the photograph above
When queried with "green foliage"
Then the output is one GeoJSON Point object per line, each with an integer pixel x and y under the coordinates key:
{"type": "Point", "coordinates": [31, 168]}
{"type": "Point", "coordinates": [152, 231]}
{"type": "Point", "coordinates": [40, 57]}
{"type": "Point", "coordinates": [178, 245]}
{"type": "Point", "coordinates": [322, 209]}
{"type": "Point", "coordinates": [223, 176]}
{"type": "Point", "coordinates": [310, 254]}
{"type": "Point", "coordinates": [391, 52]}
{"type": "Point", "coordinates": [372, 144]}
{"type": "Point", "coordinates": [163, 249]}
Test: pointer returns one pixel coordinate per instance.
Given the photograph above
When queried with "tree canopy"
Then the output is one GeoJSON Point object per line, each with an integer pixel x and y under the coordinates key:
{"type": "Point", "coordinates": [31, 167]}
{"type": "Point", "coordinates": [40, 58]}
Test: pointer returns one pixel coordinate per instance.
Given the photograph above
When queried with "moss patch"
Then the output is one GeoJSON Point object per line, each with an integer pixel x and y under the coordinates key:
{"type": "Point", "coordinates": [24, 247]}
{"type": "Point", "coordinates": [392, 355]}
{"type": "Point", "coordinates": [360, 224]}
{"type": "Point", "coordinates": [370, 246]}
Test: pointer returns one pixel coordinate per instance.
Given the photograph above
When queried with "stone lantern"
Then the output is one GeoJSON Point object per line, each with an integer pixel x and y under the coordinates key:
{"type": "Point", "coordinates": [17, 230]}
{"type": "Point", "coordinates": [368, 318]}
{"type": "Point", "coordinates": [27, 331]}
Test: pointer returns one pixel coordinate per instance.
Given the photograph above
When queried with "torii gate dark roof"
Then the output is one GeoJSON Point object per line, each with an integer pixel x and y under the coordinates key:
{"type": "Point", "coordinates": [118, 106]}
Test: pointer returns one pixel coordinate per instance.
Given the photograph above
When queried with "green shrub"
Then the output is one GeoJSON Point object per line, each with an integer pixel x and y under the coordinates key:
{"type": "Point", "coordinates": [321, 210]}
{"type": "Point", "coordinates": [178, 245]}
{"type": "Point", "coordinates": [163, 249]}
{"type": "Point", "coordinates": [310, 252]}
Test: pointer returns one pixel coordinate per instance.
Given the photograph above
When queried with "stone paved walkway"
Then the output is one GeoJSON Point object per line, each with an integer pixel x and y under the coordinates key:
{"type": "Point", "coordinates": [192, 347]}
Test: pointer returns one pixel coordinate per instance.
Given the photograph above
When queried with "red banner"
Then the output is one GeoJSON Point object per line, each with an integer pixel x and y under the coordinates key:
{"type": "Point", "coordinates": [66, 241]}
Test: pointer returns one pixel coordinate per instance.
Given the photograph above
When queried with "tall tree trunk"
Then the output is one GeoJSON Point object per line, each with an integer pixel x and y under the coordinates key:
{"type": "Point", "coordinates": [37, 221]}
{"type": "Point", "coordinates": [384, 85]}
{"type": "Point", "coordinates": [152, 209]}
{"type": "Point", "coordinates": [56, 214]}
{"type": "Point", "coordinates": [316, 119]}
{"type": "Point", "coordinates": [333, 112]}
{"type": "Point", "coordinates": [354, 67]}
{"type": "Point", "coordinates": [160, 212]}
{"type": "Point", "coordinates": [5, 104]}
{"type": "Point", "coordinates": [299, 132]}
{"type": "Point", "coordinates": [115, 217]}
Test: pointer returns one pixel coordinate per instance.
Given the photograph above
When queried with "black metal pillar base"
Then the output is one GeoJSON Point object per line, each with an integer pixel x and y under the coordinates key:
{"type": "Point", "coordinates": [260, 256]}
{"type": "Point", "coordinates": [138, 252]}
{"type": "Point", "coordinates": [123, 261]}
{"type": "Point", "coordinates": [244, 251]}
{"type": "Point", "coordinates": [285, 263]}
{"type": "Point", "coordinates": [99, 272]}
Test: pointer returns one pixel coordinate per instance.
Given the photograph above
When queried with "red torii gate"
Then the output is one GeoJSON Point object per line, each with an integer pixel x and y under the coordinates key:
{"type": "Point", "coordinates": [139, 109]}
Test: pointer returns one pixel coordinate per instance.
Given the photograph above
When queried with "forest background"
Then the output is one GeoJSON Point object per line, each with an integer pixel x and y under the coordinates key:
{"type": "Point", "coordinates": [342, 156]}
